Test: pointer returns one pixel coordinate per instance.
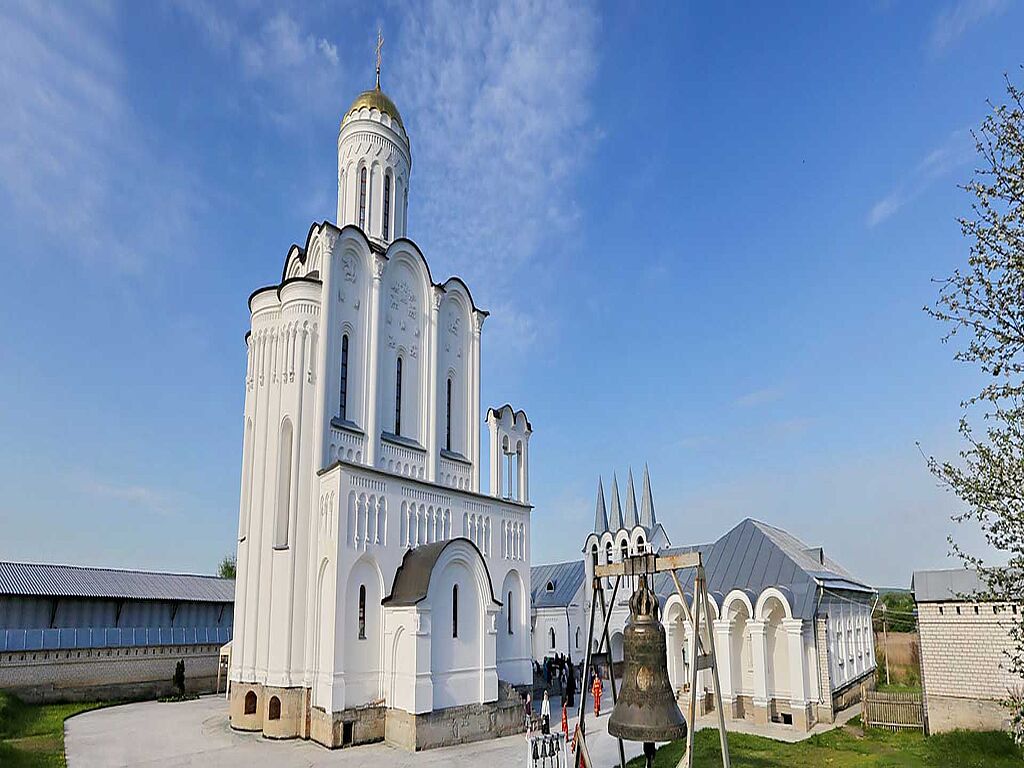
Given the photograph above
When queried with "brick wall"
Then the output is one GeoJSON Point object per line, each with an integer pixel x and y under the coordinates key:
{"type": "Point", "coordinates": [106, 673]}
{"type": "Point", "coordinates": [963, 649]}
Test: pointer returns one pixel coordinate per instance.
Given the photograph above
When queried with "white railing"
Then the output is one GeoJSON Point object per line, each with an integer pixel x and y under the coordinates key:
{"type": "Point", "coordinates": [454, 474]}
{"type": "Point", "coordinates": [403, 460]}
{"type": "Point", "coordinates": [346, 446]}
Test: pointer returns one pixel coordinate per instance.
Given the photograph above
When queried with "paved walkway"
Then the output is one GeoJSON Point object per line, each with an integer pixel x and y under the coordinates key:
{"type": "Point", "coordinates": [196, 733]}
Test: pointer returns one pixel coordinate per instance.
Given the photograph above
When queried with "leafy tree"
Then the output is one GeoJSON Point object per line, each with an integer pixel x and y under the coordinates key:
{"type": "Point", "coordinates": [900, 612]}
{"type": "Point", "coordinates": [984, 306]}
{"type": "Point", "coordinates": [226, 570]}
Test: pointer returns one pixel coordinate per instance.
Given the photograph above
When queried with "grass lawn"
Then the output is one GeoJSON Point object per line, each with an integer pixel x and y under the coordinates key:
{"type": "Point", "coordinates": [847, 748]}
{"type": "Point", "coordinates": [32, 735]}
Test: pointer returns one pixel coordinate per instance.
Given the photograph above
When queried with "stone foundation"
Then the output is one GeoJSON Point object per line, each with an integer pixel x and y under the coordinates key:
{"type": "Point", "coordinates": [348, 728]}
{"type": "Point", "coordinates": [285, 713]}
{"type": "Point", "coordinates": [455, 725]}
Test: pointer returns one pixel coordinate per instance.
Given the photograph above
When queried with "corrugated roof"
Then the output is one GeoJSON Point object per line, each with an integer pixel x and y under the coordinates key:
{"type": "Point", "coordinates": [45, 580]}
{"type": "Point", "coordinates": [566, 578]}
{"type": "Point", "coordinates": [945, 585]}
{"type": "Point", "coordinates": [754, 556]}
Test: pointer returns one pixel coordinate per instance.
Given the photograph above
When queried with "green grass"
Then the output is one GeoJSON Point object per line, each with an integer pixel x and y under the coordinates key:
{"type": "Point", "coordinates": [847, 748]}
{"type": "Point", "coordinates": [32, 735]}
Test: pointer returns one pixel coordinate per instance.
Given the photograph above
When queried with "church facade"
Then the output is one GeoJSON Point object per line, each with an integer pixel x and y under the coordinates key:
{"type": "Point", "coordinates": [377, 583]}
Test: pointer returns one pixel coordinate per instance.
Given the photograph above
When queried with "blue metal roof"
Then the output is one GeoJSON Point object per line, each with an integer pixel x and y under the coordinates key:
{"type": "Point", "coordinates": [565, 579]}
{"type": "Point", "coordinates": [44, 580]}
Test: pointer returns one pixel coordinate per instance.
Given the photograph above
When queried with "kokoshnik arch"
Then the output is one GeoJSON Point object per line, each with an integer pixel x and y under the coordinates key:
{"type": "Point", "coordinates": [377, 586]}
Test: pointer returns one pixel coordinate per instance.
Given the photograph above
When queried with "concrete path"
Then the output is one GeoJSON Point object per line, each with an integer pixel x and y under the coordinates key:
{"type": "Point", "coordinates": [196, 733]}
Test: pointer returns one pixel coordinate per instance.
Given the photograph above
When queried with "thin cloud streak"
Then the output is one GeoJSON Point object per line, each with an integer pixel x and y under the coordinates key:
{"type": "Point", "coordinates": [759, 397]}
{"type": "Point", "coordinates": [952, 23]}
{"type": "Point", "coordinates": [954, 153]}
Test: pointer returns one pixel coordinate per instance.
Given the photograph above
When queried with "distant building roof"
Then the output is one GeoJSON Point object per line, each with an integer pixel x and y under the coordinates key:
{"type": "Point", "coordinates": [44, 580]}
{"type": "Point", "coordinates": [945, 585]}
{"type": "Point", "coordinates": [754, 556]}
{"type": "Point", "coordinates": [565, 579]}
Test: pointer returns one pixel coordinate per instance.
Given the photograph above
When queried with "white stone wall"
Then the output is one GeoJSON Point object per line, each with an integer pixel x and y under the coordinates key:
{"type": "Point", "coordinates": [963, 649]}
{"type": "Point", "coordinates": [570, 632]}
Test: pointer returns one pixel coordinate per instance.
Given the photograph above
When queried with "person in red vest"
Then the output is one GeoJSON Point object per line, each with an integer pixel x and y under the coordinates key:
{"type": "Point", "coordinates": [597, 690]}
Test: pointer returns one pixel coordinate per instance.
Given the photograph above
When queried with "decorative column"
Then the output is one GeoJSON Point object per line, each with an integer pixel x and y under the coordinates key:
{"type": "Point", "coordinates": [372, 404]}
{"type": "Point", "coordinates": [474, 402]}
{"type": "Point", "coordinates": [722, 629]}
{"type": "Point", "coordinates": [797, 674]}
{"type": "Point", "coordinates": [431, 411]}
{"type": "Point", "coordinates": [759, 652]}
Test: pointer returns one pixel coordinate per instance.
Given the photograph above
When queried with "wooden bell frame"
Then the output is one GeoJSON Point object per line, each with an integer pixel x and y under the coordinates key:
{"type": "Point", "coordinates": [703, 658]}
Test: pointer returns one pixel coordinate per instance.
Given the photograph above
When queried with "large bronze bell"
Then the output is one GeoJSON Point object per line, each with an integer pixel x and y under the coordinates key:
{"type": "Point", "coordinates": [646, 709]}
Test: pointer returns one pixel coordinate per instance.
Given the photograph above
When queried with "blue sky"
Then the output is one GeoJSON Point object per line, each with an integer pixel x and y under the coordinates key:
{"type": "Point", "coordinates": [705, 235]}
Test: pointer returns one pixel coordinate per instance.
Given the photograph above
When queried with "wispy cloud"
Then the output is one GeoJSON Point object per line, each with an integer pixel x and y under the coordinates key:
{"type": "Point", "coordinates": [139, 496]}
{"type": "Point", "coordinates": [759, 397]}
{"type": "Point", "coordinates": [954, 153]}
{"type": "Point", "coordinates": [496, 99]}
{"type": "Point", "coordinates": [73, 158]}
{"type": "Point", "coordinates": [951, 24]}
{"type": "Point", "coordinates": [286, 65]}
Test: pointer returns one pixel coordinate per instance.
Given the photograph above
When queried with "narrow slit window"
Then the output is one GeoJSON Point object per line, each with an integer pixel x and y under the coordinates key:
{"type": "Point", "coordinates": [343, 409]}
{"type": "Point", "coordinates": [551, 637]}
{"type": "Point", "coordinates": [362, 611]}
{"type": "Point", "coordinates": [509, 605]}
{"type": "Point", "coordinates": [398, 397]}
{"type": "Point", "coordinates": [362, 198]}
{"type": "Point", "coordinates": [448, 417]}
{"type": "Point", "coordinates": [387, 205]}
{"type": "Point", "coordinates": [455, 611]}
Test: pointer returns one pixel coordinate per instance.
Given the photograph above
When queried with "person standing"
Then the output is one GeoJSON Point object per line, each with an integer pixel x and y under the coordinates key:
{"type": "Point", "coordinates": [597, 690]}
{"type": "Point", "coordinates": [545, 715]}
{"type": "Point", "coordinates": [570, 686]}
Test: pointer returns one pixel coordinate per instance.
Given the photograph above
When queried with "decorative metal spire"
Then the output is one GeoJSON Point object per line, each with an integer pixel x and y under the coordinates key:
{"type": "Point", "coordinates": [631, 519]}
{"type": "Point", "coordinates": [647, 519]}
{"type": "Point", "coordinates": [601, 514]}
{"type": "Point", "coordinates": [615, 523]}
{"type": "Point", "coordinates": [380, 44]}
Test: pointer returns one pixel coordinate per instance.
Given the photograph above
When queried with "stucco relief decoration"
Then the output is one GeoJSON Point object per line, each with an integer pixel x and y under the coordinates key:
{"type": "Point", "coordinates": [379, 262]}
{"type": "Point", "coordinates": [413, 351]}
{"type": "Point", "coordinates": [391, 341]}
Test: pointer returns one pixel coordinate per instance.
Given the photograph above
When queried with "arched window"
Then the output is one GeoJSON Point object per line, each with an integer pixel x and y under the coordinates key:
{"type": "Point", "coordinates": [250, 703]}
{"type": "Point", "coordinates": [455, 611]}
{"type": "Point", "coordinates": [577, 637]}
{"type": "Point", "coordinates": [608, 553]}
{"type": "Point", "coordinates": [398, 397]}
{"type": "Point", "coordinates": [448, 417]}
{"type": "Point", "coordinates": [625, 551]}
{"type": "Point", "coordinates": [593, 555]}
{"type": "Point", "coordinates": [362, 611]}
{"type": "Point", "coordinates": [274, 710]}
{"type": "Point", "coordinates": [284, 486]}
{"type": "Point", "coordinates": [343, 410]}
{"type": "Point", "coordinates": [509, 606]}
{"type": "Point", "coordinates": [551, 638]}
{"type": "Point", "coordinates": [387, 204]}
{"type": "Point", "coordinates": [639, 544]}
{"type": "Point", "coordinates": [550, 587]}
{"type": "Point", "coordinates": [362, 198]}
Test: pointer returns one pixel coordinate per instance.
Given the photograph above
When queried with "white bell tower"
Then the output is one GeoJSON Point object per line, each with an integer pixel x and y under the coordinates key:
{"type": "Point", "coordinates": [374, 163]}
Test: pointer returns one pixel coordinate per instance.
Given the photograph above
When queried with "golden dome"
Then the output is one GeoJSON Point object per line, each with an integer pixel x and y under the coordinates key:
{"type": "Point", "coordinates": [376, 99]}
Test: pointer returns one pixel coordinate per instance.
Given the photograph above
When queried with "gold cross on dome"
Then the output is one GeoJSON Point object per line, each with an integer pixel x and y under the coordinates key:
{"type": "Point", "coordinates": [380, 44]}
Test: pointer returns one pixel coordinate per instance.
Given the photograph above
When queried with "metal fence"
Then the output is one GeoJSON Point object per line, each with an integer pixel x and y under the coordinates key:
{"type": "Point", "coordinates": [893, 711]}
{"type": "Point", "coordinates": [13, 640]}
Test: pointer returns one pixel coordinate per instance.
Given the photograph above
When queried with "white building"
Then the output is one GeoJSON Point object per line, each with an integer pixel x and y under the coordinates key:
{"type": "Point", "coordinates": [377, 585]}
{"type": "Point", "coordinates": [791, 628]}
{"type": "Point", "coordinates": [966, 646]}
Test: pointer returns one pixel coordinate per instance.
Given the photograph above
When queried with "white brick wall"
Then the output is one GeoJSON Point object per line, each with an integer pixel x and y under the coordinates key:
{"type": "Point", "coordinates": [963, 649]}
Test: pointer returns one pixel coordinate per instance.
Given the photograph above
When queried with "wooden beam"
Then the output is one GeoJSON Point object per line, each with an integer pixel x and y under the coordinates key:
{"type": "Point", "coordinates": [638, 564]}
